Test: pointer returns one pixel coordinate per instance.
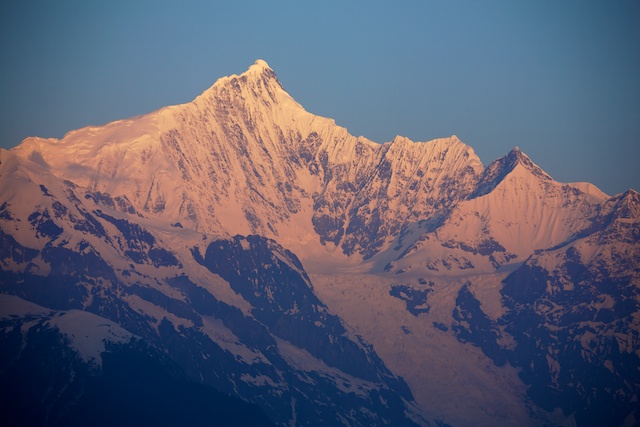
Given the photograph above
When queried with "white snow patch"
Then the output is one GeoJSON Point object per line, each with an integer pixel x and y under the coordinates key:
{"type": "Point", "coordinates": [89, 333]}
{"type": "Point", "coordinates": [225, 338]}
{"type": "Point", "coordinates": [302, 360]}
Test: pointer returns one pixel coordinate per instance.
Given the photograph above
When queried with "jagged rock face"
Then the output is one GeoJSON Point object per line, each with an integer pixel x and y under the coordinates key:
{"type": "Point", "coordinates": [514, 210]}
{"type": "Point", "coordinates": [274, 282]}
{"type": "Point", "coordinates": [246, 322]}
{"type": "Point", "coordinates": [572, 315]}
{"type": "Point", "coordinates": [410, 183]}
{"type": "Point", "coordinates": [245, 158]}
{"type": "Point", "coordinates": [192, 229]}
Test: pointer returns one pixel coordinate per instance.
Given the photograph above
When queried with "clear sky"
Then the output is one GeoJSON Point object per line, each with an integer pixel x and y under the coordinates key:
{"type": "Point", "coordinates": [558, 78]}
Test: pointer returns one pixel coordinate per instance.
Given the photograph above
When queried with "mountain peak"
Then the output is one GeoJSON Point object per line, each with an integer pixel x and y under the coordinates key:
{"type": "Point", "coordinates": [260, 65]}
{"type": "Point", "coordinates": [259, 76]}
{"type": "Point", "coordinates": [498, 170]}
{"type": "Point", "coordinates": [627, 204]}
{"type": "Point", "coordinates": [260, 70]}
{"type": "Point", "coordinates": [516, 156]}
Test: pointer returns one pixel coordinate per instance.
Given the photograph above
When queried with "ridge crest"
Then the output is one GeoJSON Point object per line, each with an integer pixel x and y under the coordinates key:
{"type": "Point", "coordinates": [499, 169]}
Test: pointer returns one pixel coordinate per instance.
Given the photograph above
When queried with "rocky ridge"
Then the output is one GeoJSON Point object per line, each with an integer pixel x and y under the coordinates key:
{"type": "Point", "coordinates": [194, 228]}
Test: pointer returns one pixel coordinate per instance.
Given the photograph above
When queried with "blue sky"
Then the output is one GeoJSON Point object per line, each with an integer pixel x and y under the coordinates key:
{"type": "Point", "coordinates": [559, 79]}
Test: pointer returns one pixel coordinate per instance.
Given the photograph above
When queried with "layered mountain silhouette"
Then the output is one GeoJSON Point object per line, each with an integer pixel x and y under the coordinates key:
{"type": "Point", "coordinates": [249, 250]}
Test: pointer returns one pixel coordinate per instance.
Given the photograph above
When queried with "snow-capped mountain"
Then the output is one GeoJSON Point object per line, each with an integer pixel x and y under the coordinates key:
{"type": "Point", "coordinates": [208, 309]}
{"type": "Point", "coordinates": [572, 313]}
{"type": "Point", "coordinates": [264, 252]}
{"type": "Point", "coordinates": [245, 158]}
{"type": "Point", "coordinates": [515, 210]}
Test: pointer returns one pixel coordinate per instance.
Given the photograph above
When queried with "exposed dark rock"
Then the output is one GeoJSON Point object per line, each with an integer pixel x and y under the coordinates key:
{"type": "Point", "coordinates": [416, 299]}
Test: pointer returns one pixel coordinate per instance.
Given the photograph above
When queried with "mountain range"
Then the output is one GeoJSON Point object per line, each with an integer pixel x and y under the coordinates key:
{"type": "Point", "coordinates": [273, 268]}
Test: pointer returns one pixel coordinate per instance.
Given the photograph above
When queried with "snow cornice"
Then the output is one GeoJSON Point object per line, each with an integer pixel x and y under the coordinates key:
{"type": "Point", "coordinates": [259, 67]}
